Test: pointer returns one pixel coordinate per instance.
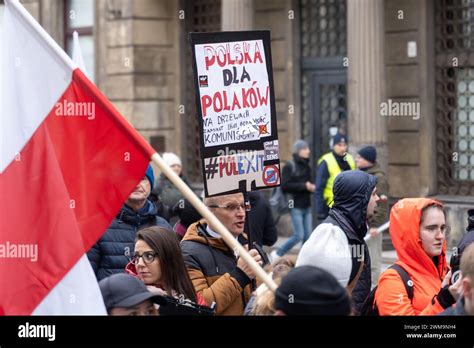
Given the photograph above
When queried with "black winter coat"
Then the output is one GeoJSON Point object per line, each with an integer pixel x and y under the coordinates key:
{"type": "Point", "coordinates": [352, 192]}
{"type": "Point", "coordinates": [111, 253]}
{"type": "Point", "coordinates": [262, 226]}
{"type": "Point", "coordinates": [293, 181]}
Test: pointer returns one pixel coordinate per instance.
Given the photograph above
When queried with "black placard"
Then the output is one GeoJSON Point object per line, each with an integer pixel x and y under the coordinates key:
{"type": "Point", "coordinates": [236, 111]}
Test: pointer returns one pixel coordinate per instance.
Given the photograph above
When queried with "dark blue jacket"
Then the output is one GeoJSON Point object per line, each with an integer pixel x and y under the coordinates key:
{"type": "Point", "coordinates": [352, 192]}
{"type": "Point", "coordinates": [111, 253]}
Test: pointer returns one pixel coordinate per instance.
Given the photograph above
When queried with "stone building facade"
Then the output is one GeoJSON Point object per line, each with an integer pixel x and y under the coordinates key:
{"type": "Point", "coordinates": [335, 63]}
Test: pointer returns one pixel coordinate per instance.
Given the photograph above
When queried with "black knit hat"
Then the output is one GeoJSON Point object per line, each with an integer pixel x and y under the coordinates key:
{"type": "Point", "coordinates": [369, 153]}
{"type": "Point", "coordinates": [309, 290]}
{"type": "Point", "coordinates": [340, 138]}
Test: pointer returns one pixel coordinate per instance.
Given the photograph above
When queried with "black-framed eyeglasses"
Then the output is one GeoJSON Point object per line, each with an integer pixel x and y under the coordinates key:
{"type": "Point", "coordinates": [230, 207]}
{"type": "Point", "coordinates": [148, 257]}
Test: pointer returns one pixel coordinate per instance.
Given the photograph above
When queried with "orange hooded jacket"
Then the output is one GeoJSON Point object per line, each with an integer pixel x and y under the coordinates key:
{"type": "Point", "coordinates": [391, 296]}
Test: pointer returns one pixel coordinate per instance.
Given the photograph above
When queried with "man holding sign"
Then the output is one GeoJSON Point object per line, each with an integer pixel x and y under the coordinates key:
{"type": "Point", "coordinates": [217, 273]}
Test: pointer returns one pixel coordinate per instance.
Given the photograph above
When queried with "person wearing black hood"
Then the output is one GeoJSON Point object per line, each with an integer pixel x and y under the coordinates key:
{"type": "Point", "coordinates": [337, 244]}
{"type": "Point", "coordinates": [296, 180]}
{"type": "Point", "coordinates": [112, 251]}
{"type": "Point", "coordinates": [366, 160]}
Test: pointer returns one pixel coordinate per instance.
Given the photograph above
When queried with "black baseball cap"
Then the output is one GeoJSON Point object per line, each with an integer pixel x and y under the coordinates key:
{"type": "Point", "coordinates": [124, 290]}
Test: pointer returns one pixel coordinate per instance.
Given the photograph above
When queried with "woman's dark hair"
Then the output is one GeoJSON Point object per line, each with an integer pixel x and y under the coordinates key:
{"type": "Point", "coordinates": [175, 276]}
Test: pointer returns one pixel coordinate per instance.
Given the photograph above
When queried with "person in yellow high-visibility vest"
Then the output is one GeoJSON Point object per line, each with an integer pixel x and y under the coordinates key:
{"type": "Point", "coordinates": [329, 166]}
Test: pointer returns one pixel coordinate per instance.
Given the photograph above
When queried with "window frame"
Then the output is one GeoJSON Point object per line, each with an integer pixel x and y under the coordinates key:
{"type": "Point", "coordinates": [82, 31]}
{"type": "Point", "coordinates": [446, 87]}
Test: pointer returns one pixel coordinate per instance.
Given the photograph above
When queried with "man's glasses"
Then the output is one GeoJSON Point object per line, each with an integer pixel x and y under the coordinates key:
{"type": "Point", "coordinates": [229, 207]}
{"type": "Point", "coordinates": [148, 257]}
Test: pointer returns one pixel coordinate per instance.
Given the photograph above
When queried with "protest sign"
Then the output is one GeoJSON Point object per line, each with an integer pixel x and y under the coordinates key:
{"type": "Point", "coordinates": [236, 111]}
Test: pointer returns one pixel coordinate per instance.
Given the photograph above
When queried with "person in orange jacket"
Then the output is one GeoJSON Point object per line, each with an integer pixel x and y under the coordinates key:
{"type": "Point", "coordinates": [418, 232]}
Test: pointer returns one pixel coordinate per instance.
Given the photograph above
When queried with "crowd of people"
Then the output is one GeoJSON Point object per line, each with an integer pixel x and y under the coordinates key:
{"type": "Point", "coordinates": [160, 257]}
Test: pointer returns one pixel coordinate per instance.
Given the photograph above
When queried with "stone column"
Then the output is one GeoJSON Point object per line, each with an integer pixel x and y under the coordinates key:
{"type": "Point", "coordinates": [33, 7]}
{"type": "Point", "coordinates": [366, 78]}
{"type": "Point", "coordinates": [52, 19]}
{"type": "Point", "coordinates": [139, 63]}
{"type": "Point", "coordinates": [237, 15]}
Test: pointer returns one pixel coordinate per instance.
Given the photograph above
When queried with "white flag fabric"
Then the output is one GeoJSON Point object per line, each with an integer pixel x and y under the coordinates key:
{"type": "Point", "coordinates": [64, 173]}
{"type": "Point", "coordinates": [77, 53]}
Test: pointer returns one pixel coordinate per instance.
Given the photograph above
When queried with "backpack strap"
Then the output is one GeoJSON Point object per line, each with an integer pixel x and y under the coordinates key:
{"type": "Point", "coordinates": [354, 281]}
{"type": "Point", "coordinates": [407, 282]}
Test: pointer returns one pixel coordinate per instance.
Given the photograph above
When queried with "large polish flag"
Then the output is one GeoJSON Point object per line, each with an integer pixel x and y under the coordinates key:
{"type": "Point", "coordinates": [68, 161]}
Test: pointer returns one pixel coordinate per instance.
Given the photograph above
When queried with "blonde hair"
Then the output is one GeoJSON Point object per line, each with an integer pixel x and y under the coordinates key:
{"type": "Point", "coordinates": [265, 298]}
{"type": "Point", "coordinates": [283, 265]}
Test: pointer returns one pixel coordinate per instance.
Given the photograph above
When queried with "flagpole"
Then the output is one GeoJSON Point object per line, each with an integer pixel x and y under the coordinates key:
{"type": "Point", "coordinates": [63, 58]}
{"type": "Point", "coordinates": [211, 219]}
{"type": "Point", "coordinates": [15, 5]}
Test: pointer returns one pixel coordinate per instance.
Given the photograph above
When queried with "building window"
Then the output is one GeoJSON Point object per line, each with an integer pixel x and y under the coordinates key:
{"type": "Point", "coordinates": [455, 96]}
{"type": "Point", "coordinates": [323, 28]}
{"type": "Point", "coordinates": [323, 77]}
{"type": "Point", "coordinates": [205, 16]}
{"type": "Point", "coordinates": [79, 16]}
{"type": "Point", "coordinates": [463, 169]}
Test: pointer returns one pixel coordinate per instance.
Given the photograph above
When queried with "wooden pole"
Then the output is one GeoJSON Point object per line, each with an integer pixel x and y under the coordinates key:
{"type": "Point", "coordinates": [211, 219]}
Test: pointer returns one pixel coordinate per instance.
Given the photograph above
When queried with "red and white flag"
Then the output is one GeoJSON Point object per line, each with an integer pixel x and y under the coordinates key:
{"type": "Point", "coordinates": [68, 161]}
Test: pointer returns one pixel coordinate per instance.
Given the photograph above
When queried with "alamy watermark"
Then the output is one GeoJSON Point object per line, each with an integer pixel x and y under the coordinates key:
{"type": "Point", "coordinates": [355, 251]}
{"type": "Point", "coordinates": [28, 330]}
{"type": "Point", "coordinates": [231, 152]}
{"type": "Point", "coordinates": [75, 109]}
{"type": "Point", "coordinates": [19, 251]}
{"type": "Point", "coordinates": [394, 108]}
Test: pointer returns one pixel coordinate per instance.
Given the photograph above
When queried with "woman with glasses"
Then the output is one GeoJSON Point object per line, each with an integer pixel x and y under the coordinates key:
{"type": "Point", "coordinates": [418, 231]}
{"type": "Point", "coordinates": [158, 262]}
